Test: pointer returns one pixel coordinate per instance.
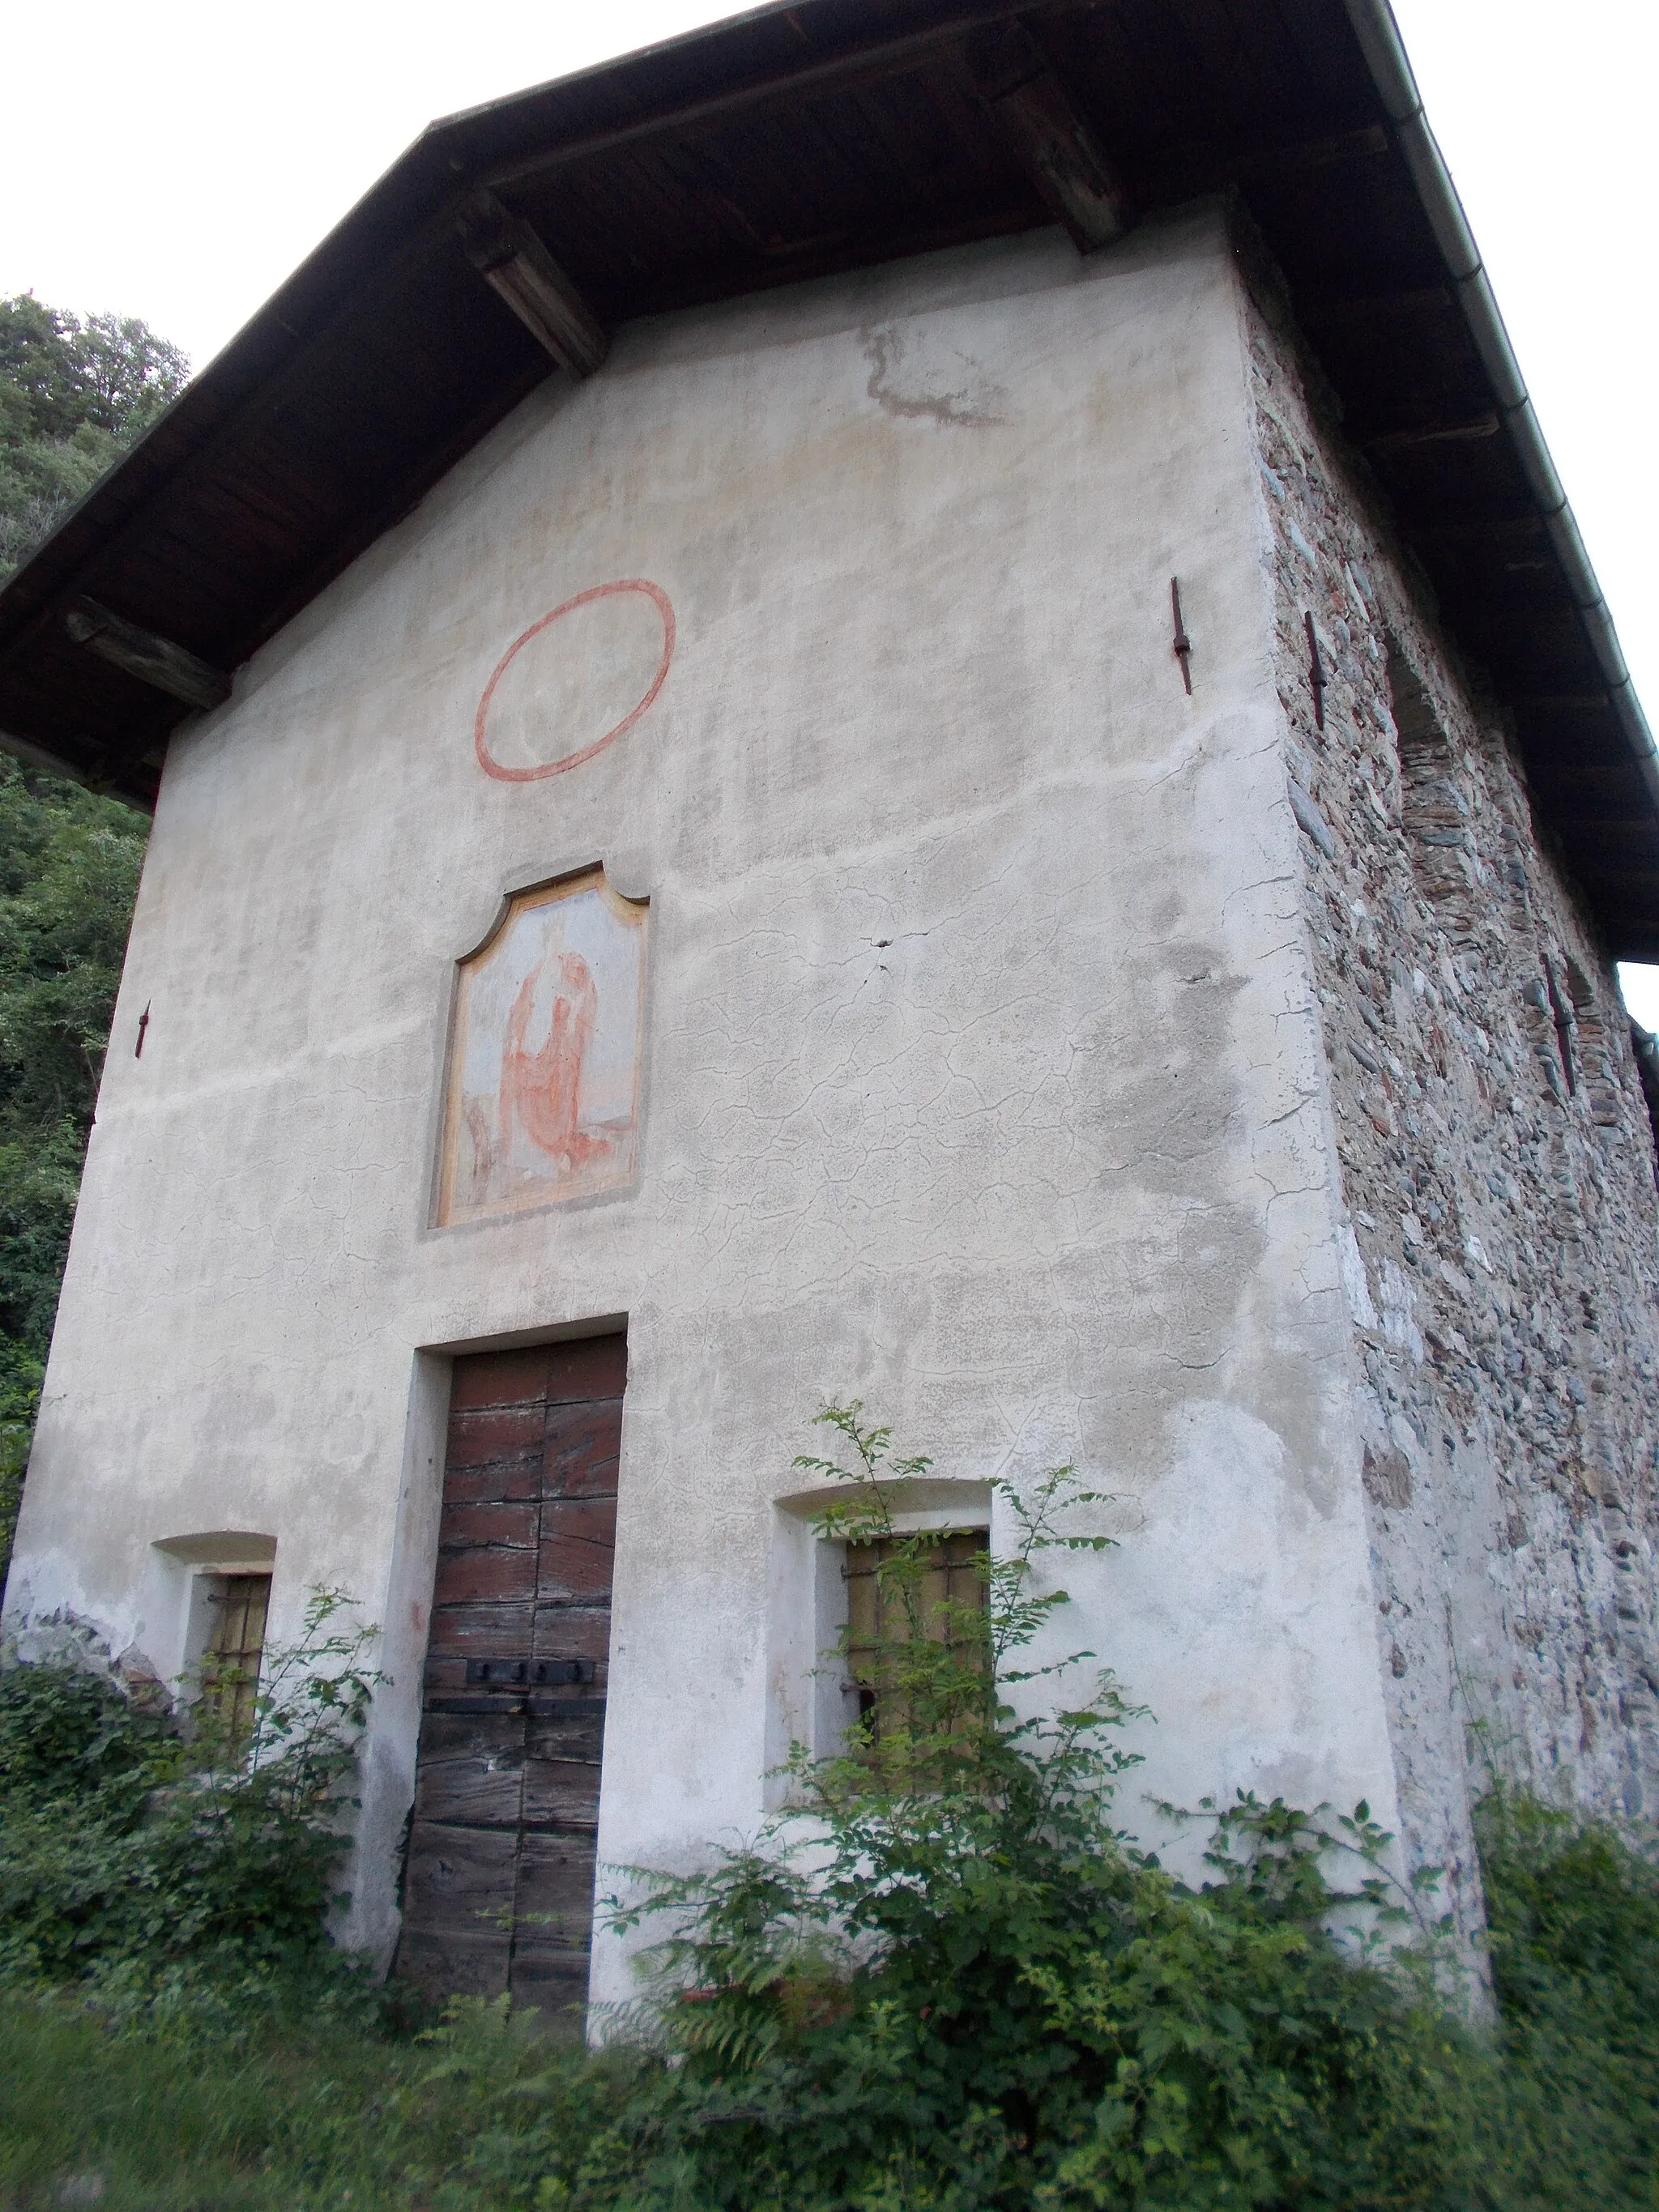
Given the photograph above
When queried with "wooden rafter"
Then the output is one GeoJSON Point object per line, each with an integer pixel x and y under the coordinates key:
{"type": "Point", "coordinates": [155, 660]}
{"type": "Point", "coordinates": [513, 261]}
{"type": "Point", "coordinates": [1055, 147]}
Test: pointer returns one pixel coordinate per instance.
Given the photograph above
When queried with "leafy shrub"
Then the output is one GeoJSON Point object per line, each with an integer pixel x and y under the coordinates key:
{"type": "Point", "coordinates": [132, 1858]}
{"type": "Point", "coordinates": [68, 1736]}
{"type": "Point", "coordinates": [1573, 1910]}
{"type": "Point", "coordinates": [946, 1979]}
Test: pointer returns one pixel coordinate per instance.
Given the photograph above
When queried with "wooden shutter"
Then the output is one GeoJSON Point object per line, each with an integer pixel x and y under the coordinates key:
{"type": "Point", "coordinates": [231, 1678]}
{"type": "Point", "coordinates": [877, 1617]}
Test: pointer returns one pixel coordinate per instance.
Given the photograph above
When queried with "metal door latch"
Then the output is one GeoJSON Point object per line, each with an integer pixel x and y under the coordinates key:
{"type": "Point", "coordinates": [527, 1674]}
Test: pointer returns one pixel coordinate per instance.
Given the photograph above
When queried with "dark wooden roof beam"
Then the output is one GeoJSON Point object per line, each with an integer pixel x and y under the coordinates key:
{"type": "Point", "coordinates": [155, 660]}
{"type": "Point", "coordinates": [1048, 137]}
{"type": "Point", "coordinates": [58, 763]}
{"type": "Point", "coordinates": [1322, 153]}
{"type": "Point", "coordinates": [258, 413]}
{"type": "Point", "coordinates": [393, 499]}
{"type": "Point", "coordinates": [816, 135]}
{"type": "Point", "coordinates": [889, 58]}
{"type": "Point", "coordinates": [516, 265]}
{"type": "Point", "coordinates": [1434, 434]}
{"type": "Point", "coordinates": [1362, 308]}
{"type": "Point", "coordinates": [1212, 166]}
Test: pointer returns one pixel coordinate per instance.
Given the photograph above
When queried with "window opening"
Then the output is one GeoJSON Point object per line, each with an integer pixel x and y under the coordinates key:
{"type": "Point", "coordinates": [1647, 1070]}
{"type": "Point", "coordinates": [1594, 1052]}
{"type": "Point", "coordinates": [899, 1587]}
{"type": "Point", "coordinates": [1435, 811]}
{"type": "Point", "coordinates": [230, 1678]}
{"type": "Point", "coordinates": [1560, 1014]}
{"type": "Point", "coordinates": [1433, 805]}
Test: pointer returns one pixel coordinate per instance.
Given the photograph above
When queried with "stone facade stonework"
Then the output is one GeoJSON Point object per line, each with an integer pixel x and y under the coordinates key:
{"type": "Point", "coordinates": [1496, 1159]}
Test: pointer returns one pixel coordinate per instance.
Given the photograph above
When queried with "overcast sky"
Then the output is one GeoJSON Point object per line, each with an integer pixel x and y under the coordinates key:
{"type": "Point", "coordinates": [176, 161]}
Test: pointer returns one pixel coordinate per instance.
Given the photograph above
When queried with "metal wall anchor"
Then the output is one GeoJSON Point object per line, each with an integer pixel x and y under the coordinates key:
{"type": "Point", "coordinates": [1316, 673]}
{"type": "Point", "coordinates": [1183, 644]}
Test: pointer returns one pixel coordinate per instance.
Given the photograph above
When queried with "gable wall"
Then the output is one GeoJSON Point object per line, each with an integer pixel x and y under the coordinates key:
{"type": "Point", "coordinates": [980, 1079]}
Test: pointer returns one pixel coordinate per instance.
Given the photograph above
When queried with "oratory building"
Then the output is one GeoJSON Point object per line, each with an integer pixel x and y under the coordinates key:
{"type": "Point", "coordinates": [894, 703]}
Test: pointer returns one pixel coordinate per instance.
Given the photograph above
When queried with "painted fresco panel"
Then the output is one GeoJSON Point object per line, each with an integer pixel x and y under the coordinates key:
{"type": "Point", "coordinates": [543, 1098]}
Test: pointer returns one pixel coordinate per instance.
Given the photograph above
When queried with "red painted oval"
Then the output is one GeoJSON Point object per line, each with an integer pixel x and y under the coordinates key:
{"type": "Point", "coordinates": [659, 599]}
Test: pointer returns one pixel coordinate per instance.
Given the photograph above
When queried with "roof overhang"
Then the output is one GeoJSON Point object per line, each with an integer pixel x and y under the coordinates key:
{"type": "Point", "coordinates": [791, 143]}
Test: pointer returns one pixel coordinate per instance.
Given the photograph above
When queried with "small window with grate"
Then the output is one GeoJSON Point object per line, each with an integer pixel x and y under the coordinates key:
{"type": "Point", "coordinates": [903, 1589]}
{"type": "Point", "coordinates": [236, 1644]}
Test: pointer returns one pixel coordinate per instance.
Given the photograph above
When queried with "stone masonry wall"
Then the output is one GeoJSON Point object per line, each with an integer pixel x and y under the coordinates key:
{"type": "Point", "coordinates": [1497, 1163]}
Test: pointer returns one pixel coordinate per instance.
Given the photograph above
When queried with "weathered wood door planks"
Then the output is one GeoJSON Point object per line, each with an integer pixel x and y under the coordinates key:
{"type": "Point", "coordinates": [499, 1881]}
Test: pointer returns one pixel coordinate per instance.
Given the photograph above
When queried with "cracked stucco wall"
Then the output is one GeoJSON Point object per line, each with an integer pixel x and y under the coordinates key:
{"type": "Point", "coordinates": [983, 1076]}
{"type": "Point", "coordinates": [1497, 1171]}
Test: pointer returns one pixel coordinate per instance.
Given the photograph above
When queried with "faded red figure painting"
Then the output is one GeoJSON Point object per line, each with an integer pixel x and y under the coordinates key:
{"type": "Point", "coordinates": [541, 1090]}
{"type": "Point", "coordinates": [544, 1065]}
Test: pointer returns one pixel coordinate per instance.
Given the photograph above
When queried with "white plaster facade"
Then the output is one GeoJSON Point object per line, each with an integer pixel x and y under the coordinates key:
{"type": "Point", "coordinates": [982, 1077]}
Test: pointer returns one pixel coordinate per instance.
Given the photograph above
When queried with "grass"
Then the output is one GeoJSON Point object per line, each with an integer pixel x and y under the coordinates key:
{"type": "Point", "coordinates": [190, 2107]}
{"type": "Point", "coordinates": [154, 2123]}
{"type": "Point", "coordinates": [290, 2116]}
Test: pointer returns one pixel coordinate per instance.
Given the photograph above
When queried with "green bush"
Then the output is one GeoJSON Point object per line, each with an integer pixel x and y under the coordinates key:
{"type": "Point", "coordinates": [1574, 1916]}
{"type": "Point", "coordinates": [944, 1981]}
{"type": "Point", "coordinates": [139, 1862]}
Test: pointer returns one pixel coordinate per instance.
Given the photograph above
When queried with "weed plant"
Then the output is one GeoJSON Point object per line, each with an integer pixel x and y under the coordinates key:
{"type": "Point", "coordinates": [148, 1864]}
{"type": "Point", "coordinates": [1574, 1931]}
{"type": "Point", "coordinates": [942, 1981]}
{"type": "Point", "coordinates": [946, 1978]}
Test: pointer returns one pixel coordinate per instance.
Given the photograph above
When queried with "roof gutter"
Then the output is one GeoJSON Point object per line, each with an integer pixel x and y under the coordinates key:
{"type": "Point", "coordinates": [1391, 73]}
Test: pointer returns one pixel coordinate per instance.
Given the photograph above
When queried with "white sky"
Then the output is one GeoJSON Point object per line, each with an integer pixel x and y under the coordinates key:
{"type": "Point", "coordinates": [176, 161]}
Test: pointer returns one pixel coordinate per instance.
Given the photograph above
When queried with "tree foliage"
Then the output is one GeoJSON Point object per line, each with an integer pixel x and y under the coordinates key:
{"type": "Point", "coordinates": [68, 874]}
{"type": "Point", "coordinates": [73, 394]}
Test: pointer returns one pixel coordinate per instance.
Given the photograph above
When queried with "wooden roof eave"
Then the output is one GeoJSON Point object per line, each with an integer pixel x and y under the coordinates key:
{"type": "Point", "coordinates": [1308, 111]}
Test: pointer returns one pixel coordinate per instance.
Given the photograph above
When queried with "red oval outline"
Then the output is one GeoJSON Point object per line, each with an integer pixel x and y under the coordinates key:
{"type": "Point", "coordinates": [491, 767]}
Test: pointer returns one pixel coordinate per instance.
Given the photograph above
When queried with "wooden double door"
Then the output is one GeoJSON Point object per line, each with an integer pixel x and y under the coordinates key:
{"type": "Point", "coordinates": [498, 1891]}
